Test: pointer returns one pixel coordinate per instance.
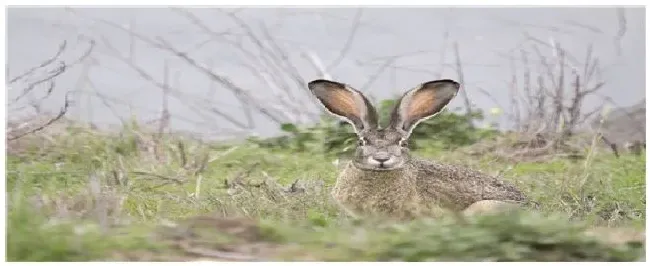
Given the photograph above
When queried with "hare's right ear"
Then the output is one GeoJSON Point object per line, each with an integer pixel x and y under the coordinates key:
{"type": "Point", "coordinates": [346, 103]}
{"type": "Point", "coordinates": [422, 102]}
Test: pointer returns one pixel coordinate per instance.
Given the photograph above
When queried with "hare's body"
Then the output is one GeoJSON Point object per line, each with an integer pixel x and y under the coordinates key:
{"type": "Point", "coordinates": [382, 178]}
{"type": "Point", "coordinates": [456, 188]}
{"type": "Point", "coordinates": [387, 192]}
{"type": "Point", "coordinates": [421, 187]}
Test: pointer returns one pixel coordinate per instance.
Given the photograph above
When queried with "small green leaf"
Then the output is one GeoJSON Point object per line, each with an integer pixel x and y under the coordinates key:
{"type": "Point", "coordinates": [289, 127]}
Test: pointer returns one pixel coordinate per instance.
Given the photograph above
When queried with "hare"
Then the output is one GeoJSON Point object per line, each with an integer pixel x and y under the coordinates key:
{"type": "Point", "coordinates": [383, 178]}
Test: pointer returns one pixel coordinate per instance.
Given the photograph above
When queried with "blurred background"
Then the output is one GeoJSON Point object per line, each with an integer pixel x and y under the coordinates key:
{"type": "Point", "coordinates": [224, 73]}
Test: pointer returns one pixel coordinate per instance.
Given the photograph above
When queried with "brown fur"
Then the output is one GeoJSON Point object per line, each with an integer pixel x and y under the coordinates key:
{"type": "Point", "coordinates": [456, 188]}
{"type": "Point", "coordinates": [422, 188]}
{"type": "Point", "coordinates": [376, 192]}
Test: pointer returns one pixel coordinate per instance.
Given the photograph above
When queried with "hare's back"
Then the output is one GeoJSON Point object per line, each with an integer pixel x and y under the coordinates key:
{"type": "Point", "coordinates": [458, 187]}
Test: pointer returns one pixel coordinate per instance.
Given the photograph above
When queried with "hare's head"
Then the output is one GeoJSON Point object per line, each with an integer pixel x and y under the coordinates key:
{"type": "Point", "coordinates": [383, 148]}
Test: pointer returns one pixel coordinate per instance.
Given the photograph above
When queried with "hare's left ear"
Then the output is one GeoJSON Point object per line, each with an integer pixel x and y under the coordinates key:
{"type": "Point", "coordinates": [421, 103]}
{"type": "Point", "coordinates": [345, 102]}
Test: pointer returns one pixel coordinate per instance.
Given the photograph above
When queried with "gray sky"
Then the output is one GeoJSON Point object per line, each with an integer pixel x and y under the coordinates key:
{"type": "Point", "coordinates": [486, 37]}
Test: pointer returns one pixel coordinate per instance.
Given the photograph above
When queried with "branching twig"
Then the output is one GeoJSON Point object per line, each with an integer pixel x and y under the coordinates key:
{"type": "Point", "coordinates": [30, 71]}
{"type": "Point", "coordinates": [348, 42]}
{"type": "Point", "coordinates": [461, 79]}
{"type": "Point", "coordinates": [61, 113]}
{"type": "Point", "coordinates": [622, 29]}
{"type": "Point", "coordinates": [27, 85]}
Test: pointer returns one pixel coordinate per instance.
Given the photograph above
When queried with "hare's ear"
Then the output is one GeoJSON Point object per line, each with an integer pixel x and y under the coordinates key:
{"type": "Point", "coordinates": [421, 103]}
{"type": "Point", "coordinates": [346, 103]}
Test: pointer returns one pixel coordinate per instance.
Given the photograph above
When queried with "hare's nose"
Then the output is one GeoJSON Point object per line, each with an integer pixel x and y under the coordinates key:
{"type": "Point", "coordinates": [381, 157]}
{"type": "Point", "coordinates": [381, 160]}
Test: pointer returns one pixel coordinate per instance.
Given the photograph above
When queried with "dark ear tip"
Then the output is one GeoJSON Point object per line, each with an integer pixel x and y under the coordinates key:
{"type": "Point", "coordinates": [318, 81]}
{"type": "Point", "coordinates": [440, 81]}
{"type": "Point", "coordinates": [312, 84]}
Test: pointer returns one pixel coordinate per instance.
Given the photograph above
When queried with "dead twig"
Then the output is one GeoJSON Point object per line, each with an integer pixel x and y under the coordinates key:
{"type": "Point", "coordinates": [461, 79]}
{"type": "Point", "coordinates": [45, 63]}
{"type": "Point", "coordinates": [61, 113]}
{"type": "Point", "coordinates": [348, 42]}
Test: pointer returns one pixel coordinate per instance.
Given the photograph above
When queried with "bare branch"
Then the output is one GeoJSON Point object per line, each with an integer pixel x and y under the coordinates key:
{"type": "Point", "coordinates": [443, 48]}
{"type": "Point", "coordinates": [461, 79]}
{"type": "Point", "coordinates": [348, 42]}
{"type": "Point", "coordinates": [273, 58]}
{"type": "Point", "coordinates": [375, 75]}
{"type": "Point", "coordinates": [164, 113]}
{"type": "Point", "coordinates": [51, 75]}
{"type": "Point", "coordinates": [583, 26]}
{"type": "Point", "coordinates": [146, 76]}
{"type": "Point", "coordinates": [27, 83]}
{"type": "Point", "coordinates": [223, 80]}
{"type": "Point", "coordinates": [489, 96]}
{"type": "Point", "coordinates": [58, 53]}
{"type": "Point", "coordinates": [622, 28]}
{"type": "Point", "coordinates": [514, 103]}
{"type": "Point", "coordinates": [61, 113]}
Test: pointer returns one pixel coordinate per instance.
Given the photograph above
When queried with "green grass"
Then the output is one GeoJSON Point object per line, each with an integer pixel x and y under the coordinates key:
{"type": "Point", "coordinates": [90, 196]}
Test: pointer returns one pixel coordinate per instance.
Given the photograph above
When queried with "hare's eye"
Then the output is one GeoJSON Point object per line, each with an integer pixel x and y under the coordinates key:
{"type": "Point", "coordinates": [403, 143]}
{"type": "Point", "coordinates": [363, 141]}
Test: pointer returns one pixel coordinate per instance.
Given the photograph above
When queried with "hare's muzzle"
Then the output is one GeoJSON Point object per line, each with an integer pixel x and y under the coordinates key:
{"type": "Point", "coordinates": [383, 161]}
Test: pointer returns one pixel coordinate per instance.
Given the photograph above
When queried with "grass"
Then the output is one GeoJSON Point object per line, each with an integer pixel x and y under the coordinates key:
{"type": "Point", "coordinates": [92, 196]}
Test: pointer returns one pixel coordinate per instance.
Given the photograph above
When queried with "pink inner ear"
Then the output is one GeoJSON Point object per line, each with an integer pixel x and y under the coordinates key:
{"type": "Point", "coordinates": [342, 101]}
{"type": "Point", "coordinates": [422, 104]}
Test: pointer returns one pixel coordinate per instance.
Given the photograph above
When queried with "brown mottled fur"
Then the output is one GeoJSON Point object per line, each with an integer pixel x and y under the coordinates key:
{"type": "Point", "coordinates": [383, 179]}
{"type": "Point", "coordinates": [457, 188]}
{"type": "Point", "coordinates": [363, 191]}
{"type": "Point", "coordinates": [422, 188]}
